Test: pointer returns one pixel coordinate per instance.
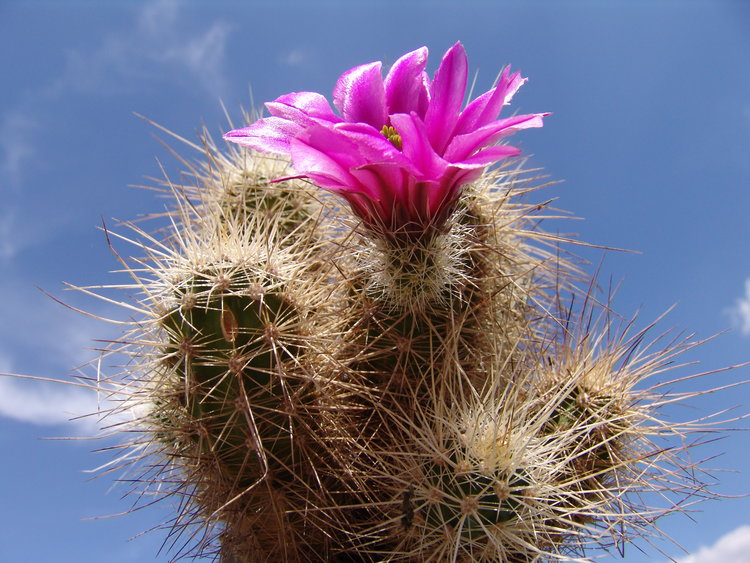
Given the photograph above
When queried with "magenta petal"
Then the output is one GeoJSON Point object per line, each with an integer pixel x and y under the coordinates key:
{"type": "Point", "coordinates": [416, 146]}
{"type": "Point", "coordinates": [462, 146]}
{"type": "Point", "coordinates": [359, 95]}
{"type": "Point", "coordinates": [371, 144]}
{"type": "Point", "coordinates": [443, 197]}
{"type": "Point", "coordinates": [473, 113]}
{"type": "Point", "coordinates": [489, 156]}
{"type": "Point", "coordinates": [468, 174]}
{"type": "Point", "coordinates": [373, 147]}
{"type": "Point", "coordinates": [332, 143]}
{"type": "Point", "coordinates": [510, 85]}
{"type": "Point", "coordinates": [301, 106]}
{"type": "Point", "coordinates": [486, 107]}
{"type": "Point", "coordinates": [406, 84]}
{"type": "Point", "coordinates": [417, 202]}
{"type": "Point", "coordinates": [447, 96]}
{"type": "Point", "coordinates": [271, 134]}
{"type": "Point", "coordinates": [319, 166]}
{"type": "Point", "coordinates": [384, 182]}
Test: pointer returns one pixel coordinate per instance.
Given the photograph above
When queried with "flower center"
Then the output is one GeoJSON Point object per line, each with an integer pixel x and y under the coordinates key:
{"type": "Point", "coordinates": [392, 135]}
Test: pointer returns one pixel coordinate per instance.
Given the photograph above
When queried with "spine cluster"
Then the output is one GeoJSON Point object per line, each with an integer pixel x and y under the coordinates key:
{"type": "Point", "coordinates": [311, 392]}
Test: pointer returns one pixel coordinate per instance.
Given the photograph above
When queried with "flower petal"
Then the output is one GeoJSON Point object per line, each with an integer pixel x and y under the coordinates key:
{"type": "Point", "coordinates": [417, 148]}
{"type": "Point", "coordinates": [406, 85]}
{"type": "Point", "coordinates": [447, 97]}
{"type": "Point", "coordinates": [489, 156]}
{"type": "Point", "coordinates": [300, 107]}
{"type": "Point", "coordinates": [330, 152]}
{"type": "Point", "coordinates": [466, 175]}
{"type": "Point", "coordinates": [383, 182]}
{"type": "Point", "coordinates": [332, 143]}
{"type": "Point", "coordinates": [486, 107]}
{"type": "Point", "coordinates": [462, 146]}
{"type": "Point", "coordinates": [319, 166]}
{"type": "Point", "coordinates": [510, 85]}
{"type": "Point", "coordinates": [373, 146]}
{"type": "Point", "coordinates": [359, 95]}
{"type": "Point", "coordinates": [270, 134]}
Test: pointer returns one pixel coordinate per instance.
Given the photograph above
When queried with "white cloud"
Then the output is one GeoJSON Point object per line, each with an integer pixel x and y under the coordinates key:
{"type": "Point", "coordinates": [741, 311]}
{"type": "Point", "coordinates": [733, 547]}
{"type": "Point", "coordinates": [202, 54]}
{"type": "Point", "coordinates": [52, 402]}
{"type": "Point", "coordinates": [15, 145]}
{"type": "Point", "coordinates": [44, 403]}
{"type": "Point", "coordinates": [155, 15]}
{"type": "Point", "coordinates": [294, 57]}
{"type": "Point", "coordinates": [67, 339]}
{"type": "Point", "coordinates": [157, 46]}
{"type": "Point", "coordinates": [8, 236]}
{"type": "Point", "coordinates": [17, 233]}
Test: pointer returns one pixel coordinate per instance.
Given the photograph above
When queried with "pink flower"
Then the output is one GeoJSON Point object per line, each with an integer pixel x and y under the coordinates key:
{"type": "Point", "coordinates": [402, 147]}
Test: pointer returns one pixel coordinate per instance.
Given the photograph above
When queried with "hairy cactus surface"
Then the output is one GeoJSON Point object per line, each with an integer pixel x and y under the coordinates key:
{"type": "Point", "coordinates": [417, 375]}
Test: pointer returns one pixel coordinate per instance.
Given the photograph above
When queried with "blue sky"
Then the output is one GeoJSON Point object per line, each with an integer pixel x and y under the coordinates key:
{"type": "Point", "coordinates": [650, 134]}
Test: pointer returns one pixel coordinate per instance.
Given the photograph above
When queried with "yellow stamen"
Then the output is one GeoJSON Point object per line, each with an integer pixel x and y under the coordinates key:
{"type": "Point", "coordinates": [392, 135]}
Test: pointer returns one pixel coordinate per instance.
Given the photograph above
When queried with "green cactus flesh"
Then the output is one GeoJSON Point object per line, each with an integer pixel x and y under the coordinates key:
{"type": "Point", "coordinates": [234, 389]}
{"type": "Point", "coordinates": [252, 197]}
{"type": "Point", "coordinates": [470, 501]}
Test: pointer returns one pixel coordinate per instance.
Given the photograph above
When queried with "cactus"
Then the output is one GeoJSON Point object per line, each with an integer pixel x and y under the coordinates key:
{"type": "Point", "coordinates": [406, 379]}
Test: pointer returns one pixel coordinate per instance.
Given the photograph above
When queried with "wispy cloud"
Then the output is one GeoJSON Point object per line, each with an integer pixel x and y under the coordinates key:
{"type": "Point", "coordinates": [294, 57]}
{"type": "Point", "coordinates": [8, 238]}
{"type": "Point", "coordinates": [76, 404]}
{"type": "Point", "coordinates": [44, 403]}
{"type": "Point", "coordinates": [16, 130]}
{"type": "Point", "coordinates": [86, 412]}
{"type": "Point", "coordinates": [202, 54]}
{"type": "Point", "coordinates": [16, 234]}
{"type": "Point", "coordinates": [39, 402]}
{"type": "Point", "coordinates": [160, 45]}
{"type": "Point", "coordinates": [36, 323]}
{"type": "Point", "coordinates": [157, 46]}
{"type": "Point", "coordinates": [733, 547]}
{"type": "Point", "coordinates": [741, 311]}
